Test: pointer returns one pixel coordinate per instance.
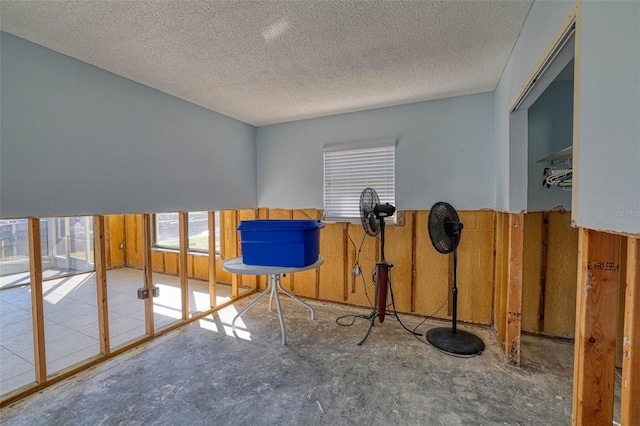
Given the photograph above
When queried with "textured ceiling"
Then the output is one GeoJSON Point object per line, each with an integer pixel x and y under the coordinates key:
{"type": "Point", "coordinates": [267, 62]}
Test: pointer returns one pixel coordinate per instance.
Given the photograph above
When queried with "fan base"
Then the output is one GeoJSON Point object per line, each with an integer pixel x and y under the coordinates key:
{"type": "Point", "coordinates": [461, 343]}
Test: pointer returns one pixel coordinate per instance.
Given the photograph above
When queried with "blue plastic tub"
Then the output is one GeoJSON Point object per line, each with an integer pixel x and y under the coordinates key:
{"type": "Point", "coordinates": [289, 243]}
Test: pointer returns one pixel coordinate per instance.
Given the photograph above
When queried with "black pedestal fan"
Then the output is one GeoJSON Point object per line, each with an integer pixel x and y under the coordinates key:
{"type": "Point", "coordinates": [444, 230]}
{"type": "Point", "coordinates": [372, 215]}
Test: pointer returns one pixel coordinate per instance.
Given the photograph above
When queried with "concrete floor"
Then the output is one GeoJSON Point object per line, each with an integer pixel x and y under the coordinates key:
{"type": "Point", "coordinates": [204, 374]}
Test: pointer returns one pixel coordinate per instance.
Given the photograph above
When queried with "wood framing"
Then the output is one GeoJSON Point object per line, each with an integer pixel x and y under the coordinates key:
{"type": "Point", "coordinates": [37, 305]}
{"type": "Point", "coordinates": [414, 260]}
{"type": "Point", "coordinates": [514, 289]}
{"type": "Point", "coordinates": [544, 248]}
{"type": "Point", "coordinates": [630, 398]}
{"type": "Point", "coordinates": [595, 344]}
{"type": "Point", "coordinates": [547, 57]}
{"type": "Point", "coordinates": [183, 228]}
{"type": "Point", "coordinates": [345, 262]}
{"type": "Point", "coordinates": [100, 259]}
{"type": "Point", "coordinates": [230, 227]}
{"type": "Point", "coordinates": [212, 259]}
{"type": "Point", "coordinates": [147, 268]}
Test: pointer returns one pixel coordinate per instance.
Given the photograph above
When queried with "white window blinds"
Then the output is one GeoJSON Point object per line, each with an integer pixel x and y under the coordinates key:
{"type": "Point", "coordinates": [350, 168]}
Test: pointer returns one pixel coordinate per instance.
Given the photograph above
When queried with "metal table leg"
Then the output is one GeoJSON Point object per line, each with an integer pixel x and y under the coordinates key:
{"type": "Point", "coordinates": [271, 287]}
{"type": "Point", "coordinates": [276, 280]}
{"type": "Point", "coordinates": [294, 297]}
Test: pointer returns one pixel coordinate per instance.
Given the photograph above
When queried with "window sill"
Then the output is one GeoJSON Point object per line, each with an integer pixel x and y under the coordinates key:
{"type": "Point", "coordinates": [189, 252]}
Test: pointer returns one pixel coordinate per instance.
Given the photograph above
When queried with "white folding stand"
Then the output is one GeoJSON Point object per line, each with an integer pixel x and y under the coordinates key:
{"type": "Point", "coordinates": [236, 266]}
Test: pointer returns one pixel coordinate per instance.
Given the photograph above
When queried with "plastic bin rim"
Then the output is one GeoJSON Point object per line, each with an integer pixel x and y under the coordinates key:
{"type": "Point", "coordinates": [279, 224]}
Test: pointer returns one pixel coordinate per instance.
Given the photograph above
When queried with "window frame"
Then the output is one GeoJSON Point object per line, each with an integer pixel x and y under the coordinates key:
{"type": "Point", "coordinates": [383, 181]}
{"type": "Point", "coordinates": [190, 250]}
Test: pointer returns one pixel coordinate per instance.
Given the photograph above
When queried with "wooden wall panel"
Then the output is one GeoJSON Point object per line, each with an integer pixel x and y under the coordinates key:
{"type": "Point", "coordinates": [475, 272]}
{"type": "Point", "coordinates": [398, 252]}
{"type": "Point", "coordinates": [432, 273]}
{"type": "Point", "coordinates": [115, 235]}
{"type": "Point", "coordinates": [531, 264]}
{"type": "Point", "coordinates": [361, 286]}
{"type": "Point", "coordinates": [562, 266]}
{"type": "Point", "coordinates": [133, 244]}
{"type": "Point", "coordinates": [332, 272]}
{"type": "Point", "coordinates": [247, 280]}
{"type": "Point", "coordinates": [481, 273]}
{"type": "Point", "coordinates": [560, 282]}
{"type": "Point", "coordinates": [157, 260]}
{"type": "Point", "coordinates": [171, 262]}
{"type": "Point", "coordinates": [305, 282]}
{"type": "Point", "coordinates": [200, 268]}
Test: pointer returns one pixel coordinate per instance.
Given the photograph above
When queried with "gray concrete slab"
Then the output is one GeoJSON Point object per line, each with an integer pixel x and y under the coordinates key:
{"type": "Point", "coordinates": [203, 374]}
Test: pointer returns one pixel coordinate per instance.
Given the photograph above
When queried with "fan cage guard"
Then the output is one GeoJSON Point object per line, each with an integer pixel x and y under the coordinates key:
{"type": "Point", "coordinates": [368, 201]}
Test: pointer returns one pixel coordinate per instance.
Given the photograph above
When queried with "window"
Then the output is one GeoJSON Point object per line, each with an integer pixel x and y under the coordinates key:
{"type": "Point", "coordinates": [167, 232]}
{"type": "Point", "coordinates": [66, 245]}
{"type": "Point", "coordinates": [351, 167]}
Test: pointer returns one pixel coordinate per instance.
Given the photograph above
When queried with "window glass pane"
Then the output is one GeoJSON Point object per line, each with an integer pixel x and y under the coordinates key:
{"type": "Point", "coordinates": [69, 242]}
{"type": "Point", "coordinates": [14, 247]}
{"type": "Point", "coordinates": [167, 231]}
{"type": "Point", "coordinates": [198, 231]}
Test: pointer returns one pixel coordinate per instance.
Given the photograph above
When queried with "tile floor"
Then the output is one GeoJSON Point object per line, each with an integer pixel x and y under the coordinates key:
{"type": "Point", "coordinates": [71, 321]}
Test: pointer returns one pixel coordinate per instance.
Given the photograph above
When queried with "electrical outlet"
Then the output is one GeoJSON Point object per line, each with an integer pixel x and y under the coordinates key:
{"type": "Point", "coordinates": [143, 293]}
{"type": "Point", "coordinates": [121, 245]}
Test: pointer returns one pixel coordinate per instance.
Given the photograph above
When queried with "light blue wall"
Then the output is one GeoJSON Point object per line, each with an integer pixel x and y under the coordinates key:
{"type": "Point", "coordinates": [608, 160]}
{"type": "Point", "coordinates": [76, 139]}
{"type": "Point", "coordinates": [444, 153]}
{"type": "Point", "coordinates": [550, 130]}
{"type": "Point", "coordinates": [606, 193]}
{"type": "Point", "coordinates": [543, 22]}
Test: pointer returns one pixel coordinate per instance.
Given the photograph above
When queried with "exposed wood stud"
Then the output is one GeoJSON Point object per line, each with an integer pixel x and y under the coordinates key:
{"type": "Point", "coordinates": [183, 228]}
{"type": "Point", "coordinates": [514, 289]}
{"type": "Point", "coordinates": [212, 259]}
{"type": "Point", "coordinates": [544, 248]}
{"type": "Point", "coordinates": [100, 249]}
{"type": "Point", "coordinates": [353, 275]}
{"type": "Point", "coordinates": [107, 234]}
{"type": "Point", "coordinates": [450, 287]}
{"type": "Point", "coordinates": [37, 303]}
{"type": "Point", "coordinates": [494, 270]}
{"type": "Point", "coordinates": [630, 406]}
{"type": "Point", "coordinates": [414, 261]}
{"type": "Point", "coordinates": [291, 276]}
{"type": "Point", "coordinates": [345, 262]}
{"type": "Point", "coordinates": [147, 268]}
{"type": "Point", "coordinates": [317, 296]}
{"type": "Point", "coordinates": [596, 317]}
{"type": "Point", "coordinates": [230, 229]}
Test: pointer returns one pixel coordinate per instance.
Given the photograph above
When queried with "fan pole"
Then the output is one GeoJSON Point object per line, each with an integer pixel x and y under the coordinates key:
{"type": "Point", "coordinates": [454, 292]}
{"type": "Point", "coordinates": [381, 239]}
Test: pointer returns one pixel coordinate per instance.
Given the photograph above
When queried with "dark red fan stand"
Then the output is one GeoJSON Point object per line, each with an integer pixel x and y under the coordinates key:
{"type": "Point", "coordinates": [382, 283]}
